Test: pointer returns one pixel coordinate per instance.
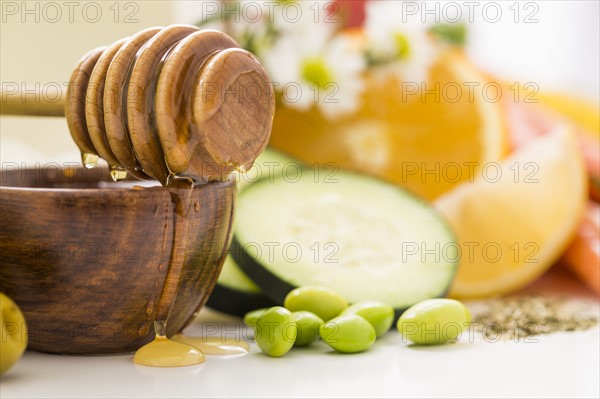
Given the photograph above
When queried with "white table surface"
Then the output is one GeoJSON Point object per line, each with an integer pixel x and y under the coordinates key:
{"type": "Point", "coordinates": [557, 365]}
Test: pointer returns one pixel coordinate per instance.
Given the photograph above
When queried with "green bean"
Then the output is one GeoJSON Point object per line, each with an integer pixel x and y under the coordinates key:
{"type": "Point", "coordinates": [379, 314]}
{"type": "Point", "coordinates": [322, 301]}
{"type": "Point", "coordinates": [251, 317]}
{"type": "Point", "coordinates": [308, 327]}
{"type": "Point", "coordinates": [348, 334]}
{"type": "Point", "coordinates": [275, 331]}
{"type": "Point", "coordinates": [434, 321]}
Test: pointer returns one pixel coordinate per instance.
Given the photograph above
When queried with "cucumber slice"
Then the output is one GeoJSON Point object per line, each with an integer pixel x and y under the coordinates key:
{"type": "Point", "coordinates": [269, 165]}
{"type": "Point", "coordinates": [235, 293]}
{"type": "Point", "coordinates": [364, 238]}
{"type": "Point", "coordinates": [233, 277]}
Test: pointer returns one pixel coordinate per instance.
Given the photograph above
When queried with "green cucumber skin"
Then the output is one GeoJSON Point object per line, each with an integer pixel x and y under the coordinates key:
{"type": "Point", "coordinates": [275, 288]}
{"type": "Point", "coordinates": [234, 302]}
{"type": "Point", "coordinates": [271, 285]}
{"type": "Point", "coordinates": [237, 303]}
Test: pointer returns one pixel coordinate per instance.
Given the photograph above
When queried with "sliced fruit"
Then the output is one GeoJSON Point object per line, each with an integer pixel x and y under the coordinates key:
{"type": "Point", "coordinates": [232, 277]}
{"type": "Point", "coordinates": [591, 154]}
{"type": "Point", "coordinates": [269, 165]}
{"type": "Point", "coordinates": [235, 293]}
{"type": "Point", "coordinates": [529, 120]}
{"type": "Point", "coordinates": [424, 140]}
{"type": "Point", "coordinates": [365, 239]}
{"type": "Point", "coordinates": [517, 218]}
{"type": "Point", "coordinates": [582, 112]}
{"type": "Point", "coordinates": [583, 255]}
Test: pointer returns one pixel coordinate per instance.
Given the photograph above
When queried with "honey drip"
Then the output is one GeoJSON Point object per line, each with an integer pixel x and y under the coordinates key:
{"type": "Point", "coordinates": [164, 352]}
{"type": "Point", "coordinates": [117, 173]}
{"type": "Point", "coordinates": [181, 350]}
{"type": "Point", "coordinates": [89, 160]}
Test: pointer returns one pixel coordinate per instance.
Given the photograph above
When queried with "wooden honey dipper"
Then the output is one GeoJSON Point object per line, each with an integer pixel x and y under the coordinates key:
{"type": "Point", "coordinates": [166, 102]}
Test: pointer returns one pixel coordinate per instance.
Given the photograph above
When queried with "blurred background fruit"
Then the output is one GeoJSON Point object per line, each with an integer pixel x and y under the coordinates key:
{"type": "Point", "coordinates": [583, 256]}
{"type": "Point", "coordinates": [14, 333]}
{"type": "Point", "coordinates": [531, 119]}
{"type": "Point", "coordinates": [516, 222]}
{"type": "Point", "coordinates": [427, 142]}
{"type": "Point", "coordinates": [422, 114]}
{"type": "Point", "coordinates": [578, 110]}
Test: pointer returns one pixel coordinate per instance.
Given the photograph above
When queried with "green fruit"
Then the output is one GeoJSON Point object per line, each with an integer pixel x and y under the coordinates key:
{"type": "Point", "coordinates": [379, 314]}
{"type": "Point", "coordinates": [322, 301]}
{"type": "Point", "coordinates": [275, 331]}
{"type": "Point", "coordinates": [308, 327]}
{"type": "Point", "coordinates": [348, 334]}
{"type": "Point", "coordinates": [14, 333]}
{"type": "Point", "coordinates": [434, 321]}
{"type": "Point", "coordinates": [251, 317]}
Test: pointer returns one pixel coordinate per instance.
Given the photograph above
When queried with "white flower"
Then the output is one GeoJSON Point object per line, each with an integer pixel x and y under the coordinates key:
{"type": "Point", "coordinates": [256, 24]}
{"type": "Point", "coordinates": [251, 24]}
{"type": "Point", "coordinates": [400, 44]}
{"type": "Point", "coordinates": [313, 70]}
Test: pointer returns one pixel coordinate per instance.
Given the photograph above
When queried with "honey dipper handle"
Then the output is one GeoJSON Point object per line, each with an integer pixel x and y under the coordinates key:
{"type": "Point", "coordinates": [32, 102]}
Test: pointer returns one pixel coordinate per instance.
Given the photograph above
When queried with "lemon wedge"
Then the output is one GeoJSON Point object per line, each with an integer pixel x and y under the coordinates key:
{"type": "Point", "coordinates": [517, 217]}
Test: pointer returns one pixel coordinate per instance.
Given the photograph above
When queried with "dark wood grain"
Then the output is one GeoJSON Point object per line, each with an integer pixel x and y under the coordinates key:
{"type": "Point", "coordinates": [87, 260]}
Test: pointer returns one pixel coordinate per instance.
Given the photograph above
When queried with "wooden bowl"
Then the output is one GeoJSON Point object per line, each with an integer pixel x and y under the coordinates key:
{"type": "Point", "coordinates": [93, 263]}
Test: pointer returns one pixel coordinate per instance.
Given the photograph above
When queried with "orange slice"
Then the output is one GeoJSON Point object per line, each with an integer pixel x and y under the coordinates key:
{"type": "Point", "coordinates": [428, 141]}
{"type": "Point", "coordinates": [580, 111]}
{"type": "Point", "coordinates": [515, 220]}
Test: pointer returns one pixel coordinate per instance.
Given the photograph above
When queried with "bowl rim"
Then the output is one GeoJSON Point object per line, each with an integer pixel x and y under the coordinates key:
{"type": "Point", "coordinates": [101, 185]}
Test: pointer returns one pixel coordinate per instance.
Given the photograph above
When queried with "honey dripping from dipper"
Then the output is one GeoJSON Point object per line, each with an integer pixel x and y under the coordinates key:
{"type": "Point", "coordinates": [159, 105]}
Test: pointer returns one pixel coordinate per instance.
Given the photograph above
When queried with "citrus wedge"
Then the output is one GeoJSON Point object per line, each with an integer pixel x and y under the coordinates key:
{"type": "Point", "coordinates": [580, 111]}
{"type": "Point", "coordinates": [583, 256]}
{"type": "Point", "coordinates": [529, 120]}
{"type": "Point", "coordinates": [517, 217]}
{"type": "Point", "coordinates": [426, 140]}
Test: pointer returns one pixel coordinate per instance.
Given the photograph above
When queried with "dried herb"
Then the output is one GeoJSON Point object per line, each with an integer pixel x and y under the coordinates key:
{"type": "Point", "coordinates": [522, 317]}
